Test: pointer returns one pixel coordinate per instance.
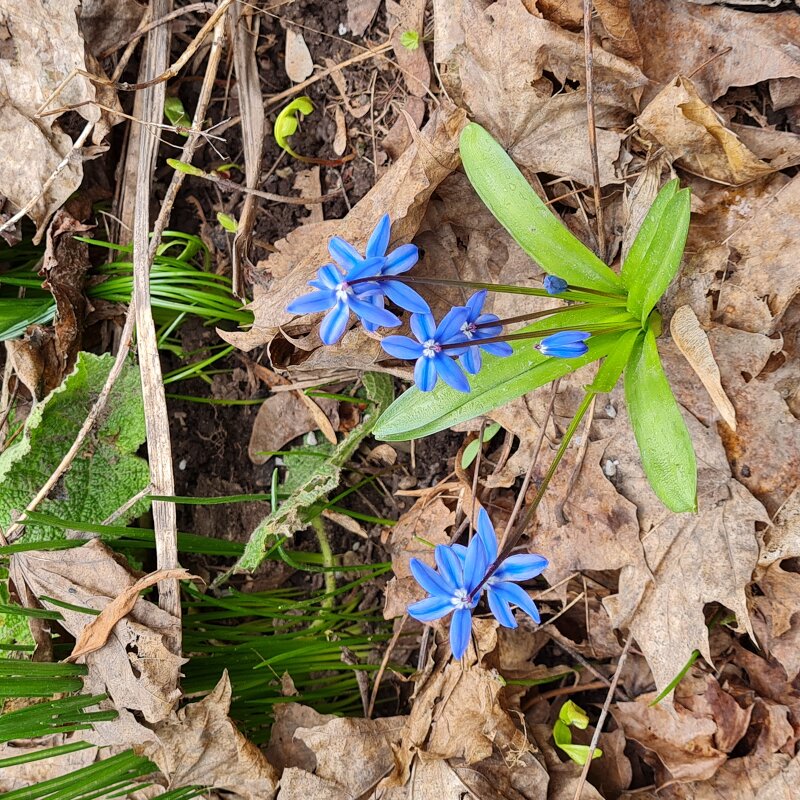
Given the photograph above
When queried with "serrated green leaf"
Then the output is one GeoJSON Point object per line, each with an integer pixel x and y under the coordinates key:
{"type": "Point", "coordinates": [324, 478]}
{"type": "Point", "coordinates": [415, 414]}
{"type": "Point", "coordinates": [507, 194]}
{"type": "Point", "coordinates": [614, 363]}
{"type": "Point", "coordinates": [106, 472]}
{"type": "Point", "coordinates": [632, 265]}
{"type": "Point", "coordinates": [661, 434]}
{"type": "Point", "coordinates": [653, 270]}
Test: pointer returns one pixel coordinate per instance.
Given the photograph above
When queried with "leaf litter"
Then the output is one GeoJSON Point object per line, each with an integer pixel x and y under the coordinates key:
{"type": "Point", "coordinates": [704, 91]}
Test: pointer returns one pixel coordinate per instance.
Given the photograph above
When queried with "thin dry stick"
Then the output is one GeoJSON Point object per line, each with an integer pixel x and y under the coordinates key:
{"type": "Point", "coordinates": [602, 718]}
{"type": "Point", "coordinates": [590, 116]}
{"type": "Point", "coordinates": [159, 448]}
{"type": "Point", "coordinates": [384, 663]}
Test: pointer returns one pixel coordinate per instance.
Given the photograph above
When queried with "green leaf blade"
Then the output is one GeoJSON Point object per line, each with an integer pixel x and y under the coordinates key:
{"type": "Point", "coordinates": [507, 194]}
{"type": "Point", "coordinates": [661, 434]}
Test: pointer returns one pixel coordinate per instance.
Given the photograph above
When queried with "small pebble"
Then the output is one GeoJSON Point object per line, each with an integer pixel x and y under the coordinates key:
{"type": "Point", "coordinates": [342, 29]}
{"type": "Point", "coordinates": [182, 464]}
{"type": "Point", "coordinates": [611, 412]}
{"type": "Point", "coordinates": [610, 467]}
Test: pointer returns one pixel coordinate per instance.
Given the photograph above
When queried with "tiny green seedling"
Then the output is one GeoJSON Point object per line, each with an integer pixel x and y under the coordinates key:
{"type": "Point", "coordinates": [410, 40]}
{"type": "Point", "coordinates": [176, 114]}
{"type": "Point", "coordinates": [570, 715]}
{"type": "Point", "coordinates": [288, 120]}
{"type": "Point", "coordinates": [227, 222]}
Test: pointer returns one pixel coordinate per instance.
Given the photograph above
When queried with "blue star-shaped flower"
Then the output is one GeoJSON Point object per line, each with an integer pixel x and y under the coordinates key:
{"type": "Point", "coordinates": [432, 361]}
{"type": "Point", "coordinates": [471, 360]}
{"type": "Point", "coordinates": [564, 344]}
{"type": "Point", "coordinates": [450, 589]}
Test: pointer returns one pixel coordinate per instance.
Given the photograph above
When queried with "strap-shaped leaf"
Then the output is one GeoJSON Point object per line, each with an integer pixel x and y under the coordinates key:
{"type": "Point", "coordinates": [652, 272]}
{"type": "Point", "coordinates": [535, 228]}
{"type": "Point", "coordinates": [614, 363]}
{"type": "Point", "coordinates": [661, 434]}
{"type": "Point", "coordinates": [415, 414]}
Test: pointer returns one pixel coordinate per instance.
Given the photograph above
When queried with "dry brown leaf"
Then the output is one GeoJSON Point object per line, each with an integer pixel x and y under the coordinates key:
{"type": "Point", "coordinates": [403, 191]}
{"type": "Point", "coordinates": [692, 341]}
{"type": "Point", "coordinates": [28, 774]}
{"type": "Point", "coordinates": [96, 633]}
{"type": "Point", "coordinates": [201, 746]}
{"type": "Point", "coordinates": [307, 183]}
{"type": "Point", "coordinates": [284, 749]}
{"type": "Point", "coordinates": [134, 667]}
{"type": "Point", "coordinates": [774, 620]}
{"type": "Point", "coordinates": [696, 137]}
{"type": "Point", "coordinates": [678, 37]}
{"type": "Point", "coordinates": [782, 539]}
{"type": "Point", "coordinates": [339, 140]}
{"type": "Point", "coordinates": [299, 64]}
{"type": "Point", "coordinates": [32, 70]}
{"type": "Point", "coordinates": [106, 23]}
{"type": "Point", "coordinates": [409, 15]}
{"type": "Point", "coordinates": [299, 783]}
{"type": "Point", "coordinates": [359, 15]}
{"type": "Point", "coordinates": [781, 149]}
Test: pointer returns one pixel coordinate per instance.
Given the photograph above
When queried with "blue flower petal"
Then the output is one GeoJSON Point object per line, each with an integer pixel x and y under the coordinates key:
{"type": "Point", "coordinates": [487, 535]}
{"type": "Point", "coordinates": [379, 239]}
{"type": "Point", "coordinates": [554, 285]}
{"type": "Point", "coordinates": [460, 629]}
{"type": "Point", "coordinates": [376, 300]}
{"type": "Point", "coordinates": [471, 361]}
{"type": "Point", "coordinates": [425, 374]}
{"type": "Point", "coordinates": [450, 373]}
{"type": "Point", "coordinates": [564, 344]}
{"type": "Point", "coordinates": [329, 276]}
{"type": "Point", "coordinates": [451, 323]}
{"type": "Point", "coordinates": [372, 313]}
{"type": "Point", "coordinates": [344, 254]}
{"type": "Point", "coordinates": [517, 596]}
{"type": "Point", "coordinates": [430, 608]}
{"type": "Point", "coordinates": [334, 324]}
{"type": "Point", "coordinates": [449, 565]}
{"type": "Point", "coordinates": [312, 302]}
{"type": "Point", "coordinates": [430, 580]}
{"type": "Point", "coordinates": [401, 260]}
{"type": "Point", "coordinates": [500, 609]}
{"type": "Point", "coordinates": [521, 567]}
{"type": "Point", "coordinates": [405, 297]}
{"type": "Point", "coordinates": [403, 347]}
{"type": "Point", "coordinates": [366, 268]}
{"type": "Point", "coordinates": [475, 564]}
{"type": "Point", "coordinates": [423, 326]}
{"type": "Point", "coordinates": [460, 551]}
{"type": "Point", "coordinates": [501, 349]}
{"type": "Point", "coordinates": [475, 305]}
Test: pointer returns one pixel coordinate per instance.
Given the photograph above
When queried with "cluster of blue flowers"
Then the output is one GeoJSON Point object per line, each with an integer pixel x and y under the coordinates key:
{"type": "Point", "coordinates": [460, 572]}
{"type": "Point", "coordinates": [361, 284]}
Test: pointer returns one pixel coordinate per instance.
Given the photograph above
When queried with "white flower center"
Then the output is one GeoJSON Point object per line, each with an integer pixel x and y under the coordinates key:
{"type": "Point", "coordinates": [430, 348]}
{"type": "Point", "coordinates": [342, 290]}
{"type": "Point", "coordinates": [468, 329]}
{"type": "Point", "coordinates": [460, 598]}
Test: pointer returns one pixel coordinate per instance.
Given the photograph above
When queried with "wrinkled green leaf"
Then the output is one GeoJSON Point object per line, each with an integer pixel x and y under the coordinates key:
{"type": "Point", "coordinates": [415, 414]}
{"type": "Point", "coordinates": [322, 479]}
{"type": "Point", "coordinates": [287, 121]}
{"type": "Point", "coordinates": [661, 434]}
{"type": "Point", "coordinates": [655, 255]}
{"type": "Point", "coordinates": [507, 194]}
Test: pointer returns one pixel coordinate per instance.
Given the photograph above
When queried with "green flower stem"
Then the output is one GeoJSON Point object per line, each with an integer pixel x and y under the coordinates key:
{"type": "Point", "coordinates": [318, 524]}
{"type": "Point", "coordinates": [515, 537]}
{"type": "Point", "coordinates": [540, 314]}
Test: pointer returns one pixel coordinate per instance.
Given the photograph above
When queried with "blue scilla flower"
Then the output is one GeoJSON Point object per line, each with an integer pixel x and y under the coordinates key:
{"type": "Point", "coordinates": [564, 344]}
{"type": "Point", "coordinates": [334, 292]}
{"type": "Point", "coordinates": [554, 285]}
{"type": "Point", "coordinates": [433, 362]}
{"type": "Point", "coordinates": [471, 360]}
{"type": "Point", "coordinates": [450, 589]}
{"type": "Point", "coordinates": [502, 591]}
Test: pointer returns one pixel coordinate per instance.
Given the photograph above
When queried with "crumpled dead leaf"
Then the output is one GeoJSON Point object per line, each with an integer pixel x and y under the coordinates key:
{"type": "Point", "coordinates": [696, 137]}
{"type": "Point", "coordinates": [298, 61]}
{"type": "Point", "coordinates": [201, 746]}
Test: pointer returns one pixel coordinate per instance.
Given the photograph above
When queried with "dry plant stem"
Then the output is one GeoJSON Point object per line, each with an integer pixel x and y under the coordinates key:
{"type": "Point", "coordinates": [576, 470]}
{"type": "Point", "coordinates": [590, 117]}
{"type": "Point", "coordinates": [576, 689]}
{"type": "Point", "coordinates": [602, 717]}
{"type": "Point", "coordinates": [475, 475]}
{"type": "Point", "coordinates": [159, 448]}
{"type": "Point", "coordinates": [384, 663]}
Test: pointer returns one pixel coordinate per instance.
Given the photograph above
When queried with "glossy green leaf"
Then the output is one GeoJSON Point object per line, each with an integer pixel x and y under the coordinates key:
{"type": "Point", "coordinates": [652, 266]}
{"type": "Point", "coordinates": [507, 194]}
{"type": "Point", "coordinates": [572, 714]}
{"type": "Point", "coordinates": [416, 414]}
{"type": "Point", "coordinates": [614, 363]}
{"type": "Point", "coordinates": [661, 434]}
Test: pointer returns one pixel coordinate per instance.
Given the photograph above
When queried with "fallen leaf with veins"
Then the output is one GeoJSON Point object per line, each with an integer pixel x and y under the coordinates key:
{"type": "Point", "coordinates": [96, 633]}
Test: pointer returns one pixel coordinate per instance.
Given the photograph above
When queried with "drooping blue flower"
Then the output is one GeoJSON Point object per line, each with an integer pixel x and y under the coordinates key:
{"type": "Point", "coordinates": [471, 360]}
{"type": "Point", "coordinates": [432, 361]}
{"type": "Point", "coordinates": [334, 292]}
{"type": "Point", "coordinates": [502, 591]}
{"type": "Point", "coordinates": [450, 589]}
{"type": "Point", "coordinates": [554, 285]}
{"type": "Point", "coordinates": [564, 344]}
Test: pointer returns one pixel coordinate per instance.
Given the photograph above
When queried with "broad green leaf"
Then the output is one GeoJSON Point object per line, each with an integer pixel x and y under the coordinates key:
{"type": "Point", "coordinates": [507, 194]}
{"type": "Point", "coordinates": [652, 272]}
{"type": "Point", "coordinates": [633, 264]}
{"type": "Point", "coordinates": [287, 121]}
{"type": "Point", "coordinates": [614, 363]}
{"type": "Point", "coordinates": [661, 434]}
{"type": "Point", "coordinates": [323, 478]}
{"type": "Point", "coordinates": [415, 414]}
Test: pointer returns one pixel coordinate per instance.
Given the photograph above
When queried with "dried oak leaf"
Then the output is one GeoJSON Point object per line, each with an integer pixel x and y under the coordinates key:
{"type": "Point", "coordinates": [677, 37]}
{"type": "Point", "coordinates": [696, 137]}
{"type": "Point", "coordinates": [134, 667]}
{"type": "Point", "coordinates": [402, 192]}
{"type": "Point", "coordinates": [497, 69]}
{"type": "Point", "coordinates": [200, 745]}
{"type": "Point", "coordinates": [776, 617]}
